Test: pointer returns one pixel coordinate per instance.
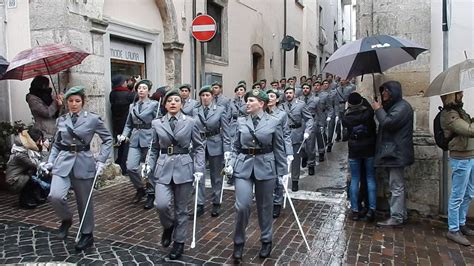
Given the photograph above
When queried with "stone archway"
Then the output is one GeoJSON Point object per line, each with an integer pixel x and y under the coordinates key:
{"type": "Point", "coordinates": [171, 45]}
{"type": "Point", "coordinates": [258, 62]}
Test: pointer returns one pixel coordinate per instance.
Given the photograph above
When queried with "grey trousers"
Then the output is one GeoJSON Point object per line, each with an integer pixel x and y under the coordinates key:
{"type": "Point", "coordinates": [278, 191]}
{"type": "Point", "coordinates": [398, 209]}
{"type": "Point", "coordinates": [215, 168]}
{"type": "Point", "coordinates": [180, 195]}
{"type": "Point", "coordinates": [243, 199]}
{"type": "Point", "coordinates": [320, 138]}
{"type": "Point", "coordinates": [296, 163]}
{"type": "Point", "coordinates": [58, 198]}
{"type": "Point", "coordinates": [310, 149]}
{"type": "Point", "coordinates": [133, 163]}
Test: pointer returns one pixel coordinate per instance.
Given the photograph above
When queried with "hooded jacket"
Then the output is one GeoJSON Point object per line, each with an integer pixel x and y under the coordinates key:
{"type": "Point", "coordinates": [395, 132]}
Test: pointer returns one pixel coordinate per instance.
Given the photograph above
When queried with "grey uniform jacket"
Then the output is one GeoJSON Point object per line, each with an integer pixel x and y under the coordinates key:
{"type": "Point", "coordinates": [223, 101]}
{"type": "Point", "coordinates": [216, 122]}
{"type": "Point", "coordinates": [283, 118]}
{"type": "Point", "coordinates": [264, 166]}
{"type": "Point", "coordinates": [301, 116]}
{"type": "Point", "coordinates": [324, 107]}
{"type": "Point", "coordinates": [140, 137]}
{"type": "Point", "coordinates": [237, 109]}
{"type": "Point", "coordinates": [188, 106]}
{"type": "Point", "coordinates": [178, 167]}
{"type": "Point", "coordinates": [82, 163]}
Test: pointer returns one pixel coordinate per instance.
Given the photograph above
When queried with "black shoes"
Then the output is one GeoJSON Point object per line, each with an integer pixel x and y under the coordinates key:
{"type": "Point", "coordinates": [166, 237]}
{"type": "Point", "coordinates": [329, 148]}
{"type": "Point", "coordinates": [200, 210]}
{"type": "Point", "coordinates": [276, 211]}
{"type": "Point", "coordinates": [238, 252]}
{"type": "Point", "coordinates": [215, 210]}
{"type": "Point", "coordinates": [310, 170]}
{"type": "Point", "coordinates": [294, 186]}
{"type": "Point", "coordinates": [64, 229]}
{"type": "Point", "coordinates": [304, 162]}
{"type": "Point", "coordinates": [355, 216]}
{"type": "Point", "coordinates": [266, 250]}
{"type": "Point", "coordinates": [149, 203]}
{"type": "Point", "coordinates": [139, 195]}
{"type": "Point", "coordinates": [176, 251]}
{"type": "Point", "coordinates": [321, 156]}
{"type": "Point", "coordinates": [370, 216]}
{"type": "Point", "coordinates": [86, 241]}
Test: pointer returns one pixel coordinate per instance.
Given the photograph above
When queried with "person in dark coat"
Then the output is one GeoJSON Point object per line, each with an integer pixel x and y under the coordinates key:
{"type": "Point", "coordinates": [120, 99]}
{"type": "Point", "coordinates": [358, 118]}
{"type": "Point", "coordinates": [394, 149]}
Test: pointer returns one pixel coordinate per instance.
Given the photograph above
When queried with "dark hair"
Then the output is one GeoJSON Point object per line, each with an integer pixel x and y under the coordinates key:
{"type": "Point", "coordinates": [35, 134]}
{"type": "Point", "coordinates": [39, 83]}
{"type": "Point", "coordinates": [40, 88]}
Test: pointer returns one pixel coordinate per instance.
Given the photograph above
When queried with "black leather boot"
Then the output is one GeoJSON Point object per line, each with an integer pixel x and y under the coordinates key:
{"type": "Point", "coordinates": [238, 252]}
{"type": "Point", "coordinates": [64, 229]}
{"type": "Point", "coordinates": [86, 241]}
{"type": "Point", "coordinates": [310, 170]}
{"type": "Point", "coordinates": [166, 237]}
{"type": "Point", "coordinates": [321, 156]}
{"type": "Point", "coordinates": [139, 195]}
{"type": "Point", "coordinates": [200, 210]}
{"type": "Point", "coordinates": [276, 211]}
{"type": "Point", "coordinates": [216, 208]}
{"type": "Point", "coordinates": [150, 199]}
{"type": "Point", "coordinates": [266, 250]}
{"type": "Point", "coordinates": [294, 186]}
{"type": "Point", "coordinates": [176, 251]}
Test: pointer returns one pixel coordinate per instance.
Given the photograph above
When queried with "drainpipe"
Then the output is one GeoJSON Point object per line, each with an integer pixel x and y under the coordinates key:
{"type": "Point", "coordinates": [444, 188]}
{"type": "Point", "coordinates": [284, 35]}
{"type": "Point", "coordinates": [193, 55]}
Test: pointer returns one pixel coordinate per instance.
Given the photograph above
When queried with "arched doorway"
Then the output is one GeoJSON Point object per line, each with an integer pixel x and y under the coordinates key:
{"type": "Point", "coordinates": [258, 62]}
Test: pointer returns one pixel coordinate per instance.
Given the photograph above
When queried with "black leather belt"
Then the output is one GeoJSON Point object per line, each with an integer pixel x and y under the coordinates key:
{"type": "Point", "coordinates": [142, 126]}
{"type": "Point", "coordinates": [174, 150]}
{"type": "Point", "coordinates": [255, 151]}
{"type": "Point", "coordinates": [209, 134]}
{"type": "Point", "coordinates": [342, 102]}
{"type": "Point", "coordinates": [295, 126]}
{"type": "Point", "coordinates": [73, 147]}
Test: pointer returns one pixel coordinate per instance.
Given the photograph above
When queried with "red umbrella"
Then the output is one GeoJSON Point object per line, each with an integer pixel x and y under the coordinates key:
{"type": "Point", "coordinates": [44, 60]}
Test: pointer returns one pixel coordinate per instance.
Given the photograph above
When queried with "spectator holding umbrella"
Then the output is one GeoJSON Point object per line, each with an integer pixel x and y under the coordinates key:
{"type": "Point", "coordinates": [44, 107]}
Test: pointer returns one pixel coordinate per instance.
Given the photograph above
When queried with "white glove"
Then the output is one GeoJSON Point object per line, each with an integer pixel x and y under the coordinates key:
{"type": "Point", "coordinates": [198, 176]}
{"type": "Point", "coordinates": [328, 119]}
{"type": "Point", "coordinates": [228, 170]}
{"type": "Point", "coordinates": [146, 170]}
{"type": "Point", "coordinates": [227, 155]}
{"type": "Point", "coordinates": [285, 179]}
{"type": "Point", "coordinates": [45, 167]}
{"type": "Point", "coordinates": [99, 168]}
{"type": "Point", "coordinates": [337, 117]}
{"type": "Point", "coordinates": [121, 138]}
{"type": "Point", "coordinates": [289, 159]}
{"type": "Point", "coordinates": [306, 135]}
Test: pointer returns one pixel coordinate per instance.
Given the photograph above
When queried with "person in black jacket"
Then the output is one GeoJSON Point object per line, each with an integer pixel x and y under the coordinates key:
{"type": "Point", "coordinates": [120, 99]}
{"type": "Point", "coordinates": [360, 123]}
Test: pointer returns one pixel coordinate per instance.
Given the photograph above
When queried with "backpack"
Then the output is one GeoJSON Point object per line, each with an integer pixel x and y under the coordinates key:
{"type": "Point", "coordinates": [440, 139]}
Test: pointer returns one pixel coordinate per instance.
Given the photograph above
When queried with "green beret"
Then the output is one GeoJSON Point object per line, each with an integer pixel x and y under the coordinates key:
{"type": "Point", "coordinates": [291, 78]}
{"type": "Point", "coordinates": [240, 85]}
{"type": "Point", "coordinates": [283, 78]}
{"type": "Point", "coordinates": [306, 84]}
{"type": "Point", "coordinates": [255, 84]}
{"type": "Point", "coordinates": [274, 81]}
{"type": "Point", "coordinates": [76, 90]}
{"type": "Point", "coordinates": [242, 82]}
{"type": "Point", "coordinates": [148, 83]}
{"type": "Point", "coordinates": [169, 93]}
{"type": "Point", "coordinates": [205, 88]}
{"type": "Point", "coordinates": [216, 83]}
{"type": "Point", "coordinates": [288, 88]}
{"type": "Point", "coordinates": [277, 93]}
{"type": "Point", "coordinates": [259, 94]}
{"type": "Point", "coordinates": [185, 86]}
{"type": "Point", "coordinates": [263, 80]}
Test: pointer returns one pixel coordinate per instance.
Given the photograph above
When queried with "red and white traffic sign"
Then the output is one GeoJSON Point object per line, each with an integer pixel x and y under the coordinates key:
{"type": "Point", "coordinates": [204, 28]}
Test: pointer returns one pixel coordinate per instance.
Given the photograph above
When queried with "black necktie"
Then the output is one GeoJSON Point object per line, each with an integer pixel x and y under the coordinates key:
{"type": "Point", "coordinates": [206, 111]}
{"type": "Point", "coordinates": [305, 99]}
{"type": "Point", "coordinates": [255, 121]}
{"type": "Point", "coordinates": [74, 117]}
{"type": "Point", "coordinates": [289, 106]}
{"type": "Point", "coordinates": [140, 104]}
{"type": "Point", "coordinates": [172, 122]}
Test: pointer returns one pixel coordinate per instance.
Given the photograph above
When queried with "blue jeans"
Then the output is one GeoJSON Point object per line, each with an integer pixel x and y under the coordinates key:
{"type": "Point", "coordinates": [462, 188]}
{"type": "Point", "coordinates": [355, 165]}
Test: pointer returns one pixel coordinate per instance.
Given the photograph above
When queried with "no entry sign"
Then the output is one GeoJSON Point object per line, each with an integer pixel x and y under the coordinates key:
{"type": "Point", "coordinates": [204, 28]}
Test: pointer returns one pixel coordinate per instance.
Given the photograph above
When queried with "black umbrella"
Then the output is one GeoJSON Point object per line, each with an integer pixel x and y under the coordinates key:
{"type": "Point", "coordinates": [3, 65]}
{"type": "Point", "coordinates": [373, 54]}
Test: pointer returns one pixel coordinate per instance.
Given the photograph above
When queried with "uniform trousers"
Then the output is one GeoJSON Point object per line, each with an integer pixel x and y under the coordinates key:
{"type": "Point", "coordinates": [320, 136]}
{"type": "Point", "coordinates": [309, 149]}
{"type": "Point", "coordinates": [58, 198]}
{"type": "Point", "coordinates": [264, 200]}
{"type": "Point", "coordinates": [174, 196]}
{"type": "Point", "coordinates": [296, 163]}
{"type": "Point", "coordinates": [215, 168]}
{"type": "Point", "coordinates": [135, 155]}
{"type": "Point", "coordinates": [278, 191]}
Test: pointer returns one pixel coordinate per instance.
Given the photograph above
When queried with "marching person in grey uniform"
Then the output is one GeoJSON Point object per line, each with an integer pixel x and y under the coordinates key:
{"type": "Point", "coordinates": [300, 122]}
{"type": "Point", "coordinates": [309, 153]}
{"type": "Point", "coordinates": [138, 127]}
{"type": "Point", "coordinates": [259, 157]}
{"type": "Point", "coordinates": [188, 103]}
{"type": "Point", "coordinates": [341, 94]}
{"type": "Point", "coordinates": [219, 98]}
{"type": "Point", "coordinates": [327, 98]}
{"type": "Point", "coordinates": [274, 110]}
{"type": "Point", "coordinates": [72, 162]}
{"type": "Point", "coordinates": [175, 169]}
{"type": "Point", "coordinates": [237, 109]}
{"type": "Point", "coordinates": [213, 123]}
{"type": "Point", "coordinates": [320, 123]}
